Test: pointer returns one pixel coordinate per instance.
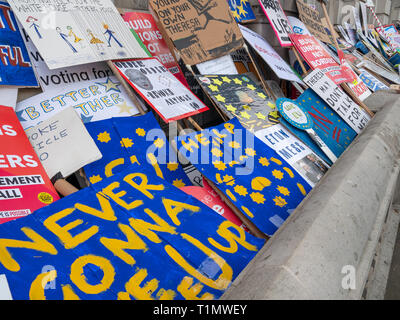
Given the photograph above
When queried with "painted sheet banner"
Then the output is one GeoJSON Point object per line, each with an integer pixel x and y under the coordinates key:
{"type": "Point", "coordinates": [73, 32]}
{"type": "Point", "coordinates": [15, 66]}
{"type": "Point", "coordinates": [328, 125]}
{"type": "Point", "coordinates": [133, 237]}
{"type": "Point", "coordinates": [146, 28]}
{"type": "Point", "coordinates": [338, 100]}
{"type": "Point", "coordinates": [253, 176]}
{"type": "Point", "coordinates": [133, 141]}
{"type": "Point", "coordinates": [269, 55]}
{"type": "Point", "coordinates": [24, 184]}
{"type": "Point", "coordinates": [241, 10]}
{"type": "Point", "coordinates": [201, 30]}
{"type": "Point", "coordinates": [161, 90]}
{"type": "Point", "coordinates": [278, 20]}
{"type": "Point", "coordinates": [318, 58]}
{"type": "Point", "coordinates": [93, 100]}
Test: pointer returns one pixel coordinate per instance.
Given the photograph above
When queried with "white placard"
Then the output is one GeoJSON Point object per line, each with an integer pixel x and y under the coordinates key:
{"type": "Point", "coordinates": [93, 100]}
{"type": "Point", "coordinates": [75, 32]}
{"type": "Point", "coordinates": [5, 293]}
{"type": "Point", "coordinates": [269, 55]}
{"type": "Point", "coordinates": [298, 26]}
{"type": "Point", "coordinates": [381, 71]}
{"type": "Point", "coordinates": [222, 65]}
{"type": "Point", "coordinates": [338, 100]}
{"type": "Point", "coordinates": [8, 96]}
{"type": "Point", "coordinates": [295, 152]}
{"type": "Point", "coordinates": [63, 144]}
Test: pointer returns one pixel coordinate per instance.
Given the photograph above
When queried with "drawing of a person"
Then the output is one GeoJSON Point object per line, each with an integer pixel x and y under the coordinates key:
{"type": "Point", "coordinates": [65, 38]}
{"type": "Point", "coordinates": [202, 7]}
{"type": "Point", "coordinates": [94, 39]}
{"type": "Point", "coordinates": [139, 79]}
{"type": "Point", "coordinates": [34, 25]}
{"type": "Point", "coordinates": [72, 34]}
{"type": "Point", "coordinates": [111, 35]}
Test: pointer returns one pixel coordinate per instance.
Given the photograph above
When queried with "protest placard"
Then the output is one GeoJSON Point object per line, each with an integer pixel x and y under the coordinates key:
{"type": "Point", "coordinates": [62, 143]}
{"type": "Point", "coordinates": [116, 240]}
{"type": "Point", "coordinates": [241, 10]}
{"type": "Point", "coordinates": [200, 30]}
{"type": "Point", "coordinates": [161, 90]}
{"type": "Point", "coordinates": [298, 26]}
{"type": "Point", "coordinates": [15, 66]}
{"type": "Point", "coordinates": [24, 184]}
{"type": "Point", "coordinates": [222, 65]}
{"type": "Point", "coordinates": [72, 33]}
{"type": "Point", "coordinates": [269, 55]}
{"type": "Point", "coordinates": [371, 82]}
{"type": "Point", "coordinates": [9, 96]}
{"type": "Point", "coordinates": [253, 176]}
{"type": "Point", "coordinates": [93, 100]}
{"type": "Point", "coordinates": [144, 25]}
{"type": "Point", "coordinates": [338, 100]}
{"type": "Point", "coordinates": [278, 20]}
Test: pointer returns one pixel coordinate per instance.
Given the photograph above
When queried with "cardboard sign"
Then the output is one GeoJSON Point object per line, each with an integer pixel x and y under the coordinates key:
{"type": "Point", "coordinates": [93, 100]}
{"type": "Point", "coordinates": [372, 82]}
{"type": "Point", "coordinates": [328, 125]}
{"type": "Point", "coordinates": [241, 10]}
{"type": "Point", "coordinates": [200, 30]}
{"type": "Point", "coordinates": [15, 66]}
{"type": "Point", "coordinates": [161, 90]}
{"type": "Point", "coordinates": [278, 20]}
{"type": "Point", "coordinates": [146, 28]}
{"type": "Point", "coordinates": [133, 141]}
{"type": "Point", "coordinates": [222, 65]}
{"type": "Point", "coordinates": [312, 20]}
{"type": "Point", "coordinates": [63, 144]}
{"type": "Point", "coordinates": [338, 100]}
{"type": "Point", "coordinates": [73, 33]}
{"type": "Point", "coordinates": [124, 239]}
{"type": "Point", "coordinates": [24, 184]}
{"type": "Point", "coordinates": [318, 58]}
{"type": "Point", "coordinates": [269, 55]}
{"type": "Point", "coordinates": [252, 175]}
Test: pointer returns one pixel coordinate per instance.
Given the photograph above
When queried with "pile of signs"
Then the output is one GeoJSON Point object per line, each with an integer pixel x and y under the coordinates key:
{"type": "Point", "coordinates": [109, 186]}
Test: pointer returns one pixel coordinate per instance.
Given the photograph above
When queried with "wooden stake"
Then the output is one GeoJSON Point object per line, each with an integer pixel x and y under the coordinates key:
{"type": "Point", "coordinates": [64, 187]}
{"type": "Point", "coordinates": [300, 60]}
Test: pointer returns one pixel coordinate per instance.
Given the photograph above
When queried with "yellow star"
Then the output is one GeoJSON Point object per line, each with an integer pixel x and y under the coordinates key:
{"type": "Point", "coordinates": [271, 105]}
{"type": "Point", "coordinates": [251, 87]}
{"type": "Point", "coordinates": [245, 115]}
{"type": "Point", "coordinates": [220, 98]}
{"type": "Point", "coordinates": [140, 132]}
{"type": "Point", "coordinates": [178, 183]}
{"type": "Point", "coordinates": [240, 190]}
{"type": "Point", "coordinates": [277, 174]}
{"type": "Point", "coordinates": [172, 166]}
{"type": "Point", "coordinates": [250, 152]}
{"type": "Point", "coordinates": [95, 179]}
{"type": "Point", "coordinates": [226, 79]}
{"type": "Point", "coordinates": [285, 191]}
{"type": "Point", "coordinates": [230, 108]}
{"type": "Point", "coordinates": [159, 143]}
{"type": "Point", "coordinates": [123, 107]}
{"type": "Point", "coordinates": [280, 202]}
{"type": "Point", "coordinates": [242, 12]}
{"type": "Point", "coordinates": [234, 145]}
{"type": "Point", "coordinates": [103, 137]}
{"type": "Point", "coordinates": [219, 165]}
{"type": "Point", "coordinates": [213, 88]}
{"type": "Point", "coordinates": [262, 95]}
{"type": "Point", "coordinates": [237, 81]}
{"type": "Point", "coordinates": [110, 85]}
{"type": "Point", "coordinates": [229, 180]}
{"type": "Point", "coordinates": [259, 115]}
{"type": "Point", "coordinates": [126, 142]}
{"type": "Point", "coordinates": [257, 197]}
{"type": "Point", "coordinates": [264, 161]}
{"type": "Point", "coordinates": [217, 82]}
{"type": "Point", "coordinates": [216, 152]}
{"type": "Point", "coordinates": [236, 15]}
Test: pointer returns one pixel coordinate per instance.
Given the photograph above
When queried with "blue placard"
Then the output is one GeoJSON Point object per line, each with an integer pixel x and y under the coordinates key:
{"type": "Point", "coordinates": [133, 141]}
{"type": "Point", "coordinates": [131, 236]}
{"type": "Point", "coordinates": [15, 66]}
{"type": "Point", "coordinates": [294, 113]}
{"type": "Point", "coordinates": [253, 176]}
{"type": "Point", "coordinates": [371, 82]}
{"type": "Point", "coordinates": [328, 125]}
{"type": "Point", "coordinates": [241, 10]}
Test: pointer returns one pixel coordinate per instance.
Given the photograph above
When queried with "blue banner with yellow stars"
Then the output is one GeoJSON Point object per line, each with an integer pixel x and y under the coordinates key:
{"type": "Point", "coordinates": [328, 125]}
{"type": "Point", "coordinates": [133, 141]}
{"type": "Point", "coordinates": [130, 236]}
{"type": "Point", "coordinates": [252, 175]}
{"type": "Point", "coordinates": [241, 10]}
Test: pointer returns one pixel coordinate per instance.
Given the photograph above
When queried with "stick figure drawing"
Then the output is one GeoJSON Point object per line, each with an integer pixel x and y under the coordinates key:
{"type": "Point", "coordinates": [111, 35]}
{"type": "Point", "coordinates": [65, 38]}
{"type": "Point", "coordinates": [34, 25]}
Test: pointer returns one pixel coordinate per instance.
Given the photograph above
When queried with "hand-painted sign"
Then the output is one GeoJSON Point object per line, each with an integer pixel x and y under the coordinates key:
{"type": "Point", "coordinates": [15, 66]}
{"type": "Point", "coordinates": [372, 82]}
{"type": "Point", "coordinates": [74, 32]}
{"type": "Point", "coordinates": [24, 184]}
{"type": "Point", "coordinates": [241, 10]}
{"type": "Point", "coordinates": [278, 20]}
{"type": "Point", "coordinates": [200, 30]}
{"type": "Point", "coordinates": [269, 55]}
{"type": "Point", "coordinates": [133, 141]}
{"type": "Point", "coordinates": [338, 100]}
{"type": "Point", "coordinates": [146, 28]}
{"type": "Point", "coordinates": [253, 176]}
{"type": "Point", "coordinates": [161, 90]}
{"type": "Point", "coordinates": [93, 100]}
{"type": "Point", "coordinates": [63, 144]}
{"type": "Point", "coordinates": [132, 236]}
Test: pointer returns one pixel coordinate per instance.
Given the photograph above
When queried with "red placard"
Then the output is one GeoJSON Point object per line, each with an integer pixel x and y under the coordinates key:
{"type": "Point", "coordinates": [318, 58]}
{"type": "Point", "coordinates": [146, 28]}
{"type": "Point", "coordinates": [24, 184]}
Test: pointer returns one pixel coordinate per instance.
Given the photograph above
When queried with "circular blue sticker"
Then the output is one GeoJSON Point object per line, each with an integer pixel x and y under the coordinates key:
{"type": "Point", "coordinates": [294, 114]}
